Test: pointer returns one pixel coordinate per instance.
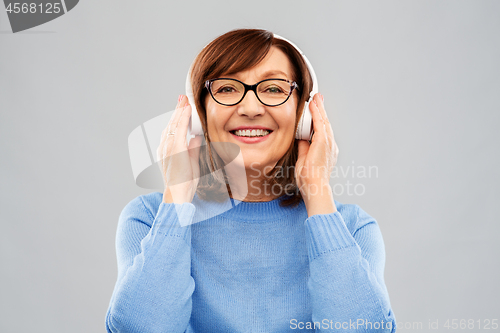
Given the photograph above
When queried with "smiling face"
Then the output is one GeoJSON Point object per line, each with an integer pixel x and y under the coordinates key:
{"type": "Point", "coordinates": [266, 151]}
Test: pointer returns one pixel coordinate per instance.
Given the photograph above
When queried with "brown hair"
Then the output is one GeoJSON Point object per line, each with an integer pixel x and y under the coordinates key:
{"type": "Point", "coordinates": [230, 53]}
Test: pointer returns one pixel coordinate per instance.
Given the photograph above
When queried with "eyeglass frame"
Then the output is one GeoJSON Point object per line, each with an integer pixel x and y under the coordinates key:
{"type": "Point", "coordinates": [253, 87]}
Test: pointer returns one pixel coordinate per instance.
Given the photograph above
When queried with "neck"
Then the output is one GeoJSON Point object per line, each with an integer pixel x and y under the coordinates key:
{"type": "Point", "coordinates": [253, 186]}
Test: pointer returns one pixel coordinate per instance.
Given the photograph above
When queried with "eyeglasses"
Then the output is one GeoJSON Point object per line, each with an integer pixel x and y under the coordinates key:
{"type": "Point", "coordinates": [270, 92]}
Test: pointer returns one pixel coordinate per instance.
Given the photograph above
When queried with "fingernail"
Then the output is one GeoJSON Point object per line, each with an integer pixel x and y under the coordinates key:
{"type": "Point", "coordinates": [179, 99]}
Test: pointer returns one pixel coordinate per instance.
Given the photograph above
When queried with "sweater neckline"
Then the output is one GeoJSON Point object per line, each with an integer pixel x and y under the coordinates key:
{"type": "Point", "coordinates": [260, 211]}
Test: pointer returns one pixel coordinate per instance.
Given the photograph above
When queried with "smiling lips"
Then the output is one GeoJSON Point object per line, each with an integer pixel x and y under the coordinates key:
{"type": "Point", "coordinates": [254, 136]}
{"type": "Point", "coordinates": [251, 133]}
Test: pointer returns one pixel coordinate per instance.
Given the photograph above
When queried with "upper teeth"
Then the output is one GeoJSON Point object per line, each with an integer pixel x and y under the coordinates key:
{"type": "Point", "coordinates": [253, 132]}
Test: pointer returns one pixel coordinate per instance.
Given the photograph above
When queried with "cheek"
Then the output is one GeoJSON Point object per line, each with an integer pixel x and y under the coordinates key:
{"type": "Point", "coordinates": [287, 120]}
{"type": "Point", "coordinates": [216, 118]}
{"type": "Point", "coordinates": [289, 117]}
{"type": "Point", "coordinates": [211, 118]}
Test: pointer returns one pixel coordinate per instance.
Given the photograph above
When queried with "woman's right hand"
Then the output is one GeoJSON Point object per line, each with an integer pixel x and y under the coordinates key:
{"type": "Point", "coordinates": [179, 163]}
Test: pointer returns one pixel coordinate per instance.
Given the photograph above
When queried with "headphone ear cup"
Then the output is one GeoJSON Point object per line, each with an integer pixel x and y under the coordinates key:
{"type": "Point", "coordinates": [194, 127]}
{"type": "Point", "coordinates": [304, 127]}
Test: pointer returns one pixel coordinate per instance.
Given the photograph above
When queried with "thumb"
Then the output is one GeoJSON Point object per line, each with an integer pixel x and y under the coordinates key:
{"type": "Point", "coordinates": [194, 148]}
{"type": "Point", "coordinates": [303, 148]}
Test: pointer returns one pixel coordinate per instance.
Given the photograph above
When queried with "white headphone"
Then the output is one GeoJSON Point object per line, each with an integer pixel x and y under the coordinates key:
{"type": "Point", "coordinates": [304, 127]}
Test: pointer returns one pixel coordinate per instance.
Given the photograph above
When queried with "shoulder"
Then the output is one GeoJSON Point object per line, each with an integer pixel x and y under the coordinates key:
{"type": "Point", "coordinates": [354, 217]}
{"type": "Point", "coordinates": [142, 208]}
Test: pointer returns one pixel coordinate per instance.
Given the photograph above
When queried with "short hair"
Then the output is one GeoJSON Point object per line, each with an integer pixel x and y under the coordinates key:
{"type": "Point", "coordinates": [230, 53]}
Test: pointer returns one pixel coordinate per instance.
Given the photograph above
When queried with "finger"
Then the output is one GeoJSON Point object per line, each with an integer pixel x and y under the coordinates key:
{"type": "Point", "coordinates": [194, 153]}
{"type": "Point", "coordinates": [178, 111]}
{"type": "Point", "coordinates": [171, 126]}
{"type": "Point", "coordinates": [174, 121]}
{"type": "Point", "coordinates": [328, 126]}
{"type": "Point", "coordinates": [318, 124]}
{"type": "Point", "coordinates": [321, 105]}
{"type": "Point", "coordinates": [195, 142]}
{"type": "Point", "coordinates": [182, 126]}
{"type": "Point", "coordinates": [178, 101]}
{"type": "Point", "coordinates": [194, 145]}
{"type": "Point", "coordinates": [303, 148]}
{"type": "Point", "coordinates": [163, 141]}
{"type": "Point", "coordinates": [326, 133]}
{"type": "Point", "coordinates": [174, 118]}
{"type": "Point", "coordinates": [172, 140]}
{"type": "Point", "coordinates": [184, 101]}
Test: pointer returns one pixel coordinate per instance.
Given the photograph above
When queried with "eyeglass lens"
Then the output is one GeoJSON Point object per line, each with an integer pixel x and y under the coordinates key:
{"type": "Point", "coordinates": [271, 92]}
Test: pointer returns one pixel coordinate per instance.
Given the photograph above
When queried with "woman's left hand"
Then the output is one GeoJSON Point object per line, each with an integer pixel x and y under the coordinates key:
{"type": "Point", "coordinates": [315, 162]}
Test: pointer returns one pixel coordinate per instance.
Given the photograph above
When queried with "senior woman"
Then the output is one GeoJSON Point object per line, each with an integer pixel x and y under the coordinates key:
{"type": "Point", "coordinates": [277, 260]}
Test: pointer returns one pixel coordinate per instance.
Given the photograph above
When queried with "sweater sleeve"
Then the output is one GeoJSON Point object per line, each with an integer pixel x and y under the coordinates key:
{"type": "Point", "coordinates": [154, 284]}
{"type": "Point", "coordinates": [346, 280]}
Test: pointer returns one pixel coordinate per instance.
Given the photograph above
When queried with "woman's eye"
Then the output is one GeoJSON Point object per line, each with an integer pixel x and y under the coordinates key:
{"type": "Point", "coordinates": [226, 90]}
{"type": "Point", "coordinates": [273, 90]}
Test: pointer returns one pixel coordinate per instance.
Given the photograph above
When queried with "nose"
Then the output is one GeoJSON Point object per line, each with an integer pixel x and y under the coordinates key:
{"type": "Point", "coordinates": [250, 105]}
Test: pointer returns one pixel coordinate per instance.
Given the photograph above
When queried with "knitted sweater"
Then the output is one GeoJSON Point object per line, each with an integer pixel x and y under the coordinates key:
{"type": "Point", "coordinates": [247, 267]}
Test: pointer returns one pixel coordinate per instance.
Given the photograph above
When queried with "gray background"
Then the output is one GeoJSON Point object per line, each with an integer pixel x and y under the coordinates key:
{"type": "Point", "coordinates": [410, 87]}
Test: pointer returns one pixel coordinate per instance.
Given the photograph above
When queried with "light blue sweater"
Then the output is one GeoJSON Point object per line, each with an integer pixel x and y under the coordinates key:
{"type": "Point", "coordinates": [255, 267]}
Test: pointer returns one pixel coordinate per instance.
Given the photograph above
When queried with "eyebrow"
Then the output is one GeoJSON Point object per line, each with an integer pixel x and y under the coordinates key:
{"type": "Point", "coordinates": [266, 75]}
{"type": "Point", "coordinates": [272, 73]}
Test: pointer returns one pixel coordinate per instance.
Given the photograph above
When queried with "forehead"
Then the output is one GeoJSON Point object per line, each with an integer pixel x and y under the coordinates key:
{"type": "Point", "coordinates": [276, 65]}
